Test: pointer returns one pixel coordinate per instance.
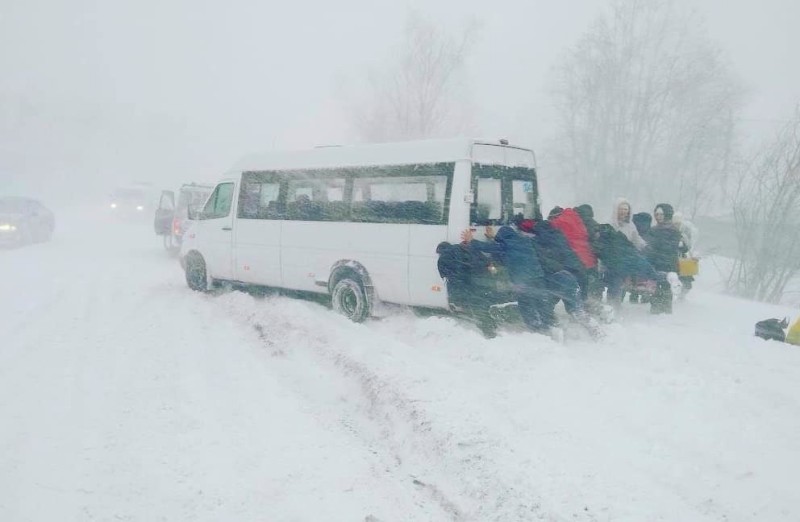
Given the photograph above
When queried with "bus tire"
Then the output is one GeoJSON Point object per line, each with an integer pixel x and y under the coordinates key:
{"type": "Point", "coordinates": [349, 299]}
{"type": "Point", "coordinates": [196, 275]}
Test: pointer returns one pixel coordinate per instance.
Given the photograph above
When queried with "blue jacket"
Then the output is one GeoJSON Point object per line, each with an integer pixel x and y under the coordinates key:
{"type": "Point", "coordinates": [517, 253]}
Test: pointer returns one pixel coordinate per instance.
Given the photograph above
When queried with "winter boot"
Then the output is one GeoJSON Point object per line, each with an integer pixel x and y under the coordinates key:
{"type": "Point", "coordinates": [602, 312]}
{"type": "Point", "coordinates": [661, 302]}
{"type": "Point", "coordinates": [590, 323]}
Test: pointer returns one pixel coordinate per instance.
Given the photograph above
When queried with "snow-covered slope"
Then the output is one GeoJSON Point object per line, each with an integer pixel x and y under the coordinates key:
{"type": "Point", "coordinates": [126, 396]}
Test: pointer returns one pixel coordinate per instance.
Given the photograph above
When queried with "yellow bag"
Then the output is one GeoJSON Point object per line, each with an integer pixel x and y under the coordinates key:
{"type": "Point", "coordinates": [688, 266]}
{"type": "Point", "coordinates": [793, 335]}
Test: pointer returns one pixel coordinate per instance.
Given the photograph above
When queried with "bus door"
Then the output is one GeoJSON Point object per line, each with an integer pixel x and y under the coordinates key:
{"type": "Point", "coordinates": [215, 231]}
{"type": "Point", "coordinates": [261, 209]}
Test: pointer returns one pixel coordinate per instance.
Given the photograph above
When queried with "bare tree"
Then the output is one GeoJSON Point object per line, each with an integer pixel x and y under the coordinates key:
{"type": "Point", "coordinates": [767, 219]}
{"type": "Point", "coordinates": [420, 93]}
{"type": "Point", "coordinates": [647, 108]}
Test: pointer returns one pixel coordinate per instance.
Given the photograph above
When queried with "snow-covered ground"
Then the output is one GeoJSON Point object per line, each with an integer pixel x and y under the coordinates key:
{"type": "Point", "coordinates": [128, 397]}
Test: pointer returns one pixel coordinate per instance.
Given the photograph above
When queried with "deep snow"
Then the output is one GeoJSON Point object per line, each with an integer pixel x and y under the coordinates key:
{"type": "Point", "coordinates": [129, 397]}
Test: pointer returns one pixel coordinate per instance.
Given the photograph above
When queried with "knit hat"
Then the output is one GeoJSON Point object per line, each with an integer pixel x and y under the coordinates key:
{"type": "Point", "coordinates": [556, 211]}
{"type": "Point", "coordinates": [526, 225]}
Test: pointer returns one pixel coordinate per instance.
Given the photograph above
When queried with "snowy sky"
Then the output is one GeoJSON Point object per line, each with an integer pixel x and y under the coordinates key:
{"type": "Point", "coordinates": [95, 91]}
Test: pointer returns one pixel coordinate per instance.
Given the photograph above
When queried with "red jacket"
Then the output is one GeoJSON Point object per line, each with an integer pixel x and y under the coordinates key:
{"type": "Point", "coordinates": [571, 225]}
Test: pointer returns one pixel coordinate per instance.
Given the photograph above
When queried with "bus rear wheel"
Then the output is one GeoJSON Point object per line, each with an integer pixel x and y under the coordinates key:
{"type": "Point", "coordinates": [349, 299]}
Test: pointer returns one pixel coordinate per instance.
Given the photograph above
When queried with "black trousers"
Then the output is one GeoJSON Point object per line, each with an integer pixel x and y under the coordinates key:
{"type": "Point", "coordinates": [661, 302]}
{"type": "Point", "coordinates": [474, 307]}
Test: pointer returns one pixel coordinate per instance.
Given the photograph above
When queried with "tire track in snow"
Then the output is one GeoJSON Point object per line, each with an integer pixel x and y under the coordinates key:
{"type": "Point", "coordinates": [455, 471]}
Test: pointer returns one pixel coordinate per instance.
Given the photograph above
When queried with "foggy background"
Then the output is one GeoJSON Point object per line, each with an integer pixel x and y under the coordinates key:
{"type": "Point", "coordinates": [126, 395]}
{"type": "Point", "coordinates": [95, 94]}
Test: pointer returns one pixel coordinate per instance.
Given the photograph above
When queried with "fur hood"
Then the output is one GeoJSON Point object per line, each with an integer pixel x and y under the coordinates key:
{"type": "Point", "coordinates": [614, 219]}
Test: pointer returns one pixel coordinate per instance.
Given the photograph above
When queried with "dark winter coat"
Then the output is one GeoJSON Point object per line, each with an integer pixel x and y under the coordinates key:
{"type": "Point", "coordinates": [615, 250]}
{"type": "Point", "coordinates": [664, 247]}
{"type": "Point", "coordinates": [517, 253]}
{"type": "Point", "coordinates": [554, 251]}
{"type": "Point", "coordinates": [570, 223]}
{"type": "Point", "coordinates": [586, 212]}
{"type": "Point", "coordinates": [465, 270]}
{"type": "Point", "coordinates": [643, 222]}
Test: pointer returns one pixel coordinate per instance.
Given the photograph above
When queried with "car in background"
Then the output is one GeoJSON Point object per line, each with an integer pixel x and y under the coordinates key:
{"type": "Point", "coordinates": [137, 199]}
{"type": "Point", "coordinates": [172, 213]}
{"type": "Point", "coordinates": [24, 221]}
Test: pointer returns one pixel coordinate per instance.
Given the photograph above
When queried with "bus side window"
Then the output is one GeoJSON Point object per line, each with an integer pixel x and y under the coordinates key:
{"type": "Point", "coordinates": [259, 200]}
{"type": "Point", "coordinates": [317, 199]}
{"type": "Point", "coordinates": [406, 197]}
{"type": "Point", "coordinates": [269, 206]}
{"type": "Point", "coordinates": [248, 200]}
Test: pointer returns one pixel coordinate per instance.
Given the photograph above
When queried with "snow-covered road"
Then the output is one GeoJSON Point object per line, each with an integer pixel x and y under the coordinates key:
{"type": "Point", "coordinates": [128, 397]}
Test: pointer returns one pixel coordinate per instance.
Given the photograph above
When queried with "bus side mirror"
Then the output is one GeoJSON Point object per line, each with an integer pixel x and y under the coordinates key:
{"type": "Point", "coordinates": [193, 212]}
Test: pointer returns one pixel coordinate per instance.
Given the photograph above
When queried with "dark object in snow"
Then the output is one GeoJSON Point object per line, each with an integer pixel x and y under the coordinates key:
{"type": "Point", "coordinates": [772, 329]}
{"type": "Point", "coordinates": [24, 221]}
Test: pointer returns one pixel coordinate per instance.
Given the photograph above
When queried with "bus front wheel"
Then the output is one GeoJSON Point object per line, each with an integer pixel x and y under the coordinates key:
{"type": "Point", "coordinates": [196, 277]}
{"type": "Point", "coordinates": [350, 299]}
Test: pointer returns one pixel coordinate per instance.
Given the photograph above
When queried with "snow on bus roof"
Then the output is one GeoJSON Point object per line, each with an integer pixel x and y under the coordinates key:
{"type": "Point", "coordinates": [400, 153]}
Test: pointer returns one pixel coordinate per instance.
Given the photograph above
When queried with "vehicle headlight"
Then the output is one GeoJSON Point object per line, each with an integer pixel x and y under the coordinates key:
{"type": "Point", "coordinates": [113, 205]}
{"type": "Point", "coordinates": [7, 227]}
{"type": "Point", "coordinates": [139, 207]}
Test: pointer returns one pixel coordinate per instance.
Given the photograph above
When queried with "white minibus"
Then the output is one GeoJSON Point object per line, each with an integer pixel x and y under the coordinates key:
{"type": "Point", "coordinates": [359, 223]}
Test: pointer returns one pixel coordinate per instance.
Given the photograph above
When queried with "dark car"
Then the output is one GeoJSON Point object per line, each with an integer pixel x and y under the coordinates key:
{"type": "Point", "coordinates": [171, 219]}
{"type": "Point", "coordinates": [24, 221]}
